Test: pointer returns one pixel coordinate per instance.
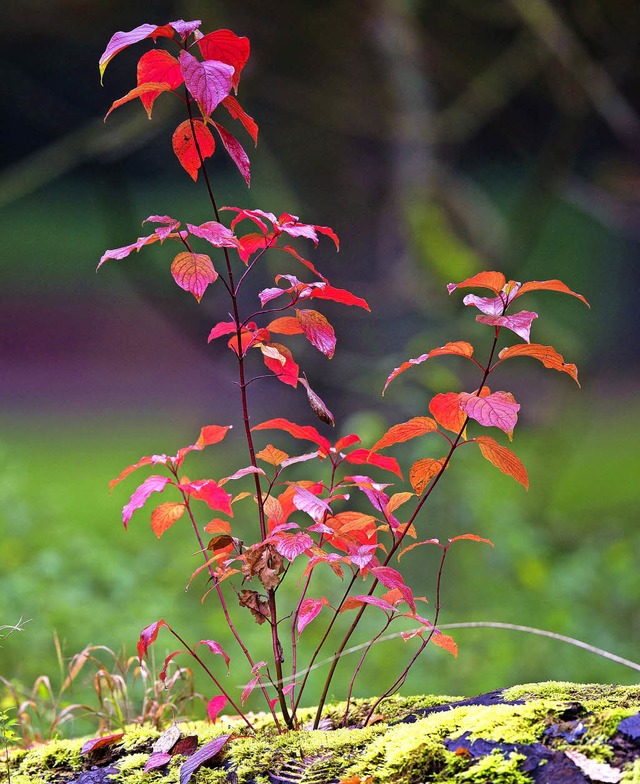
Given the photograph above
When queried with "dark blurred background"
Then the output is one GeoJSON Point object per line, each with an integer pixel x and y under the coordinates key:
{"type": "Point", "coordinates": [438, 138]}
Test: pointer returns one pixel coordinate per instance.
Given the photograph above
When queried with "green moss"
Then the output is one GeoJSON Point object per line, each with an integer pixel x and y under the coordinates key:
{"type": "Point", "coordinates": [387, 751]}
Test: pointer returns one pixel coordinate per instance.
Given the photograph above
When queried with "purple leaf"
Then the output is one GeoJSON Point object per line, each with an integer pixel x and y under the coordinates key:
{"type": "Point", "coordinates": [307, 502]}
{"type": "Point", "coordinates": [293, 545]}
{"type": "Point", "coordinates": [207, 752]}
{"type": "Point", "coordinates": [122, 40]}
{"type": "Point", "coordinates": [185, 28]}
{"type": "Point", "coordinates": [209, 82]}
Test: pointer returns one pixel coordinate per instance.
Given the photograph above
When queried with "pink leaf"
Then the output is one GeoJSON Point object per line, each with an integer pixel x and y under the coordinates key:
{"type": "Point", "coordinates": [148, 636]}
{"type": "Point", "coordinates": [121, 253]}
{"type": "Point", "coordinates": [207, 752]}
{"type": "Point", "coordinates": [193, 272]}
{"type": "Point", "coordinates": [391, 578]}
{"type": "Point", "coordinates": [215, 233]}
{"type": "Point", "coordinates": [246, 692]}
{"type": "Point", "coordinates": [498, 409]}
{"type": "Point", "coordinates": [318, 331]}
{"type": "Point", "coordinates": [520, 323]}
{"type": "Point", "coordinates": [293, 545]}
{"type": "Point", "coordinates": [215, 705]}
{"type": "Point", "coordinates": [490, 306]}
{"type": "Point", "coordinates": [236, 151]}
{"type": "Point", "coordinates": [216, 648]}
{"type": "Point", "coordinates": [309, 609]}
{"type": "Point", "coordinates": [153, 484]}
{"type": "Point", "coordinates": [209, 82]}
{"type": "Point", "coordinates": [377, 602]}
{"type": "Point", "coordinates": [157, 760]}
{"type": "Point", "coordinates": [307, 502]}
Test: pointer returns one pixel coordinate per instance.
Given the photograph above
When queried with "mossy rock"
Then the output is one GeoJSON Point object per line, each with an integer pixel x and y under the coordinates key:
{"type": "Point", "coordinates": [561, 733]}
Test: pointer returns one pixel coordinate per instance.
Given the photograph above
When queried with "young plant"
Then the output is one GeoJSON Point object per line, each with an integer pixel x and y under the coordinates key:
{"type": "Point", "coordinates": [311, 528]}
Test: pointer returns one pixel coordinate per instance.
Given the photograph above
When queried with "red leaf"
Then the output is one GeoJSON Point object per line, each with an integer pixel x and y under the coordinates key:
{"type": "Point", "coordinates": [184, 145]}
{"type": "Point", "coordinates": [215, 705]}
{"type": "Point", "coordinates": [158, 66]}
{"type": "Point", "coordinates": [146, 92]}
{"type": "Point", "coordinates": [148, 636]}
{"type": "Point", "coordinates": [238, 113]}
{"type": "Point", "coordinates": [216, 648]}
{"type": "Point", "coordinates": [226, 47]}
{"type": "Point", "coordinates": [318, 331]}
{"type": "Point", "coordinates": [503, 458]}
{"type": "Point", "coordinates": [211, 493]}
{"type": "Point", "coordinates": [207, 752]}
{"type": "Point", "coordinates": [549, 285]}
{"type": "Point", "coordinates": [280, 361]}
{"type": "Point", "coordinates": [368, 457]}
{"type": "Point", "coordinates": [209, 82]}
{"type": "Point", "coordinates": [309, 609]}
{"type": "Point", "coordinates": [153, 484]}
{"type": "Point", "coordinates": [236, 151]}
{"type": "Point", "coordinates": [222, 328]}
{"type": "Point", "coordinates": [417, 426]}
{"type": "Point", "coordinates": [337, 295]}
{"type": "Point", "coordinates": [100, 743]}
{"type": "Point", "coordinates": [546, 354]}
{"type": "Point", "coordinates": [520, 323]}
{"type": "Point", "coordinates": [445, 407]}
{"type": "Point", "coordinates": [304, 432]}
{"type": "Point", "coordinates": [345, 441]}
{"type": "Point", "coordinates": [164, 516]}
{"type": "Point", "coordinates": [193, 272]}
{"type": "Point", "coordinates": [495, 281]}
{"type": "Point", "coordinates": [210, 434]}
{"type": "Point", "coordinates": [495, 410]}
{"type": "Point", "coordinates": [122, 40]}
{"type": "Point", "coordinates": [422, 472]}
{"type": "Point", "coordinates": [460, 348]}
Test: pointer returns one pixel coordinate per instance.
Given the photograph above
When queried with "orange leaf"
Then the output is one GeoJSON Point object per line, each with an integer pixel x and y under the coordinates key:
{"type": "Point", "coordinates": [445, 642]}
{"type": "Point", "coordinates": [272, 455]}
{"type": "Point", "coordinates": [546, 354]}
{"type": "Point", "coordinates": [417, 426]}
{"type": "Point", "coordinates": [485, 280]}
{"type": "Point", "coordinates": [185, 148]}
{"type": "Point", "coordinates": [396, 500]}
{"type": "Point", "coordinates": [459, 347]}
{"type": "Point", "coordinates": [503, 458]}
{"type": "Point", "coordinates": [549, 285]}
{"type": "Point", "coordinates": [447, 412]}
{"type": "Point", "coordinates": [218, 526]}
{"type": "Point", "coordinates": [164, 516]}
{"type": "Point", "coordinates": [472, 537]}
{"type": "Point", "coordinates": [149, 89]}
{"type": "Point", "coordinates": [423, 471]}
{"type": "Point", "coordinates": [286, 325]}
